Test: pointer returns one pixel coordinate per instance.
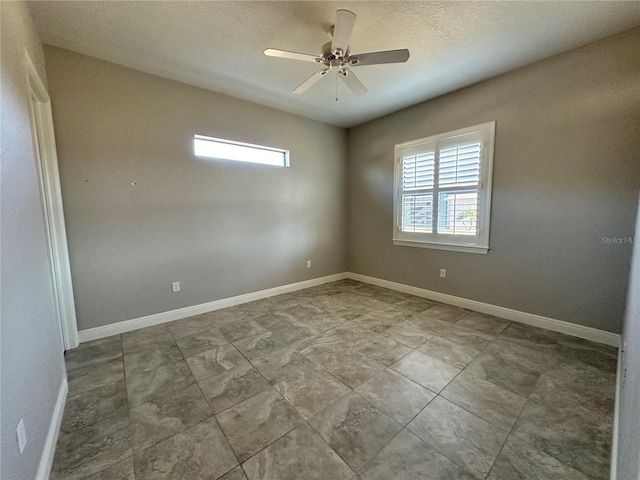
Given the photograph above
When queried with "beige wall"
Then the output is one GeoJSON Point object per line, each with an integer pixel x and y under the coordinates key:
{"type": "Point", "coordinates": [566, 174]}
{"type": "Point", "coordinates": [31, 360]}
{"type": "Point", "coordinates": [220, 228]}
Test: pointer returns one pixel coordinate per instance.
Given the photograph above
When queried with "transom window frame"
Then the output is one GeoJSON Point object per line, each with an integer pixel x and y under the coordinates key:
{"type": "Point", "coordinates": [479, 243]}
{"type": "Point", "coordinates": [240, 152]}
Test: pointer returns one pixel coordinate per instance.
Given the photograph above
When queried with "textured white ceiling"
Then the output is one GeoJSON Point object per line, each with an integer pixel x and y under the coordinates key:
{"type": "Point", "coordinates": [219, 45]}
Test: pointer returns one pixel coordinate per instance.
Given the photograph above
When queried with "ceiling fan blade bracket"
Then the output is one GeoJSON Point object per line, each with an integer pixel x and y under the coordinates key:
{"type": "Point", "coordinates": [352, 81]}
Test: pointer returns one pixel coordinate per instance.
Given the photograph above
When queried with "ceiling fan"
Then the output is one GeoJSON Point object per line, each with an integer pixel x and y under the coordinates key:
{"type": "Point", "coordinates": [336, 56]}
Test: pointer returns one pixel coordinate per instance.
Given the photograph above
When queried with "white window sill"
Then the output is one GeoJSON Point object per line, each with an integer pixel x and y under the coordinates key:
{"type": "Point", "coordinates": [443, 246]}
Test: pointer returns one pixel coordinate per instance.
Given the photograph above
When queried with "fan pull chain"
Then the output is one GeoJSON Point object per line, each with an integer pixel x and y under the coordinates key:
{"type": "Point", "coordinates": [336, 85]}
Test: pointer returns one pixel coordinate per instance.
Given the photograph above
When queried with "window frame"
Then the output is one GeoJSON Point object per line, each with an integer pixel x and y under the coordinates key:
{"type": "Point", "coordinates": [285, 153]}
{"type": "Point", "coordinates": [479, 243]}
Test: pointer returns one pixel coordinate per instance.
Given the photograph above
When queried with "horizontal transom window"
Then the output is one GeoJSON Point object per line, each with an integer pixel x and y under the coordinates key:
{"type": "Point", "coordinates": [239, 152]}
{"type": "Point", "coordinates": [443, 190]}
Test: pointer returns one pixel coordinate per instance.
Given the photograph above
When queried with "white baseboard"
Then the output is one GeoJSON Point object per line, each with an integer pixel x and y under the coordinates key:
{"type": "Point", "coordinates": [49, 450]}
{"type": "Point", "coordinates": [561, 326]}
{"type": "Point", "coordinates": [613, 475]}
{"type": "Point", "coordinates": [163, 317]}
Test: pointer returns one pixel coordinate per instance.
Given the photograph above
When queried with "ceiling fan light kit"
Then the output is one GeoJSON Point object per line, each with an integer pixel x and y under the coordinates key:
{"type": "Point", "coordinates": [336, 56]}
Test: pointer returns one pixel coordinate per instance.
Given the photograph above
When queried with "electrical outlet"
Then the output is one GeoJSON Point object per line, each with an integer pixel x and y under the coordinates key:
{"type": "Point", "coordinates": [308, 263]}
{"type": "Point", "coordinates": [175, 286]}
{"type": "Point", "coordinates": [22, 435]}
{"type": "Point", "coordinates": [443, 273]}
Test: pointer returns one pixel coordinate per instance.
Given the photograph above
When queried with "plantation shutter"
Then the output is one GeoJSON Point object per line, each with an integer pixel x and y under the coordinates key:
{"type": "Point", "coordinates": [418, 175]}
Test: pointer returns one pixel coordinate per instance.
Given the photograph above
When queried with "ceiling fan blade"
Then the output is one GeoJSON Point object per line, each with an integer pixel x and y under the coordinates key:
{"type": "Point", "coordinates": [353, 82]}
{"type": "Point", "coordinates": [272, 52]}
{"type": "Point", "coordinates": [306, 85]}
{"type": "Point", "coordinates": [345, 20]}
{"type": "Point", "coordinates": [376, 58]}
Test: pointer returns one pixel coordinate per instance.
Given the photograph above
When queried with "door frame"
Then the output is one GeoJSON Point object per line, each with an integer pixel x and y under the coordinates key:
{"type": "Point", "coordinates": [44, 147]}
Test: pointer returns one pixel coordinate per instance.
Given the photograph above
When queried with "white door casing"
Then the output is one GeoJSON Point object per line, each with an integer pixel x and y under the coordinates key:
{"type": "Point", "coordinates": [47, 164]}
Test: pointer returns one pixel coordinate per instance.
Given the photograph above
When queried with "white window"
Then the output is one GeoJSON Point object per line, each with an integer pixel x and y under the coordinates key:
{"type": "Point", "coordinates": [443, 190]}
{"type": "Point", "coordinates": [240, 152]}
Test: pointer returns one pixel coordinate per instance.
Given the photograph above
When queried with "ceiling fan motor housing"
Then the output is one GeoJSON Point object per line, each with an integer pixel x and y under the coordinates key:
{"type": "Point", "coordinates": [335, 55]}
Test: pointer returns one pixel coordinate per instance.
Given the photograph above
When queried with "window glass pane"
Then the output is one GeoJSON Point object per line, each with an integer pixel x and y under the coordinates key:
{"type": "Point", "coordinates": [459, 165]}
{"type": "Point", "coordinates": [458, 213]}
{"type": "Point", "coordinates": [417, 213]}
{"type": "Point", "coordinates": [417, 171]}
{"type": "Point", "coordinates": [240, 152]}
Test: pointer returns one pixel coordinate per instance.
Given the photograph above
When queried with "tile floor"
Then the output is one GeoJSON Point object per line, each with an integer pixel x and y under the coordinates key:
{"type": "Point", "coordinates": [340, 381]}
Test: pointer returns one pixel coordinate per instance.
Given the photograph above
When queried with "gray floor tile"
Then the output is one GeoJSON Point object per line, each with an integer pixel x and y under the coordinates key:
{"type": "Point", "coordinates": [239, 329]}
{"type": "Point", "coordinates": [94, 406]}
{"type": "Point", "coordinates": [310, 390]}
{"type": "Point", "coordinates": [349, 367]}
{"type": "Point", "coordinates": [235, 474]}
{"type": "Point", "coordinates": [199, 324]}
{"type": "Point", "coordinates": [407, 334]}
{"type": "Point", "coordinates": [494, 404]}
{"type": "Point", "coordinates": [264, 343]}
{"type": "Point", "coordinates": [483, 323]}
{"type": "Point", "coordinates": [294, 315]}
{"type": "Point", "coordinates": [540, 357]}
{"type": "Point", "coordinates": [143, 386]}
{"type": "Point", "coordinates": [301, 454]}
{"type": "Point", "coordinates": [340, 305]}
{"type": "Point", "coordinates": [381, 320]}
{"type": "Point", "coordinates": [257, 422]}
{"type": "Point", "coordinates": [151, 359]}
{"type": "Point", "coordinates": [155, 337]}
{"type": "Point", "coordinates": [520, 461]}
{"type": "Point", "coordinates": [530, 336]}
{"type": "Point", "coordinates": [225, 390]}
{"type": "Point", "coordinates": [396, 395]}
{"type": "Point", "coordinates": [120, 471]}
{"type": "Point", "coordinates": [567, 436]}
{"type": "Point", "coordinates": [582, 351]}
{"type": "Point", "coordinates": [469, 441]}
{"type": "Point", "coordinates": [355, 429]}
{"type": "Point", "coordinates": [309, 347]}
{"type": "Point", "coordinates": [505, 369]}
{"type": "Point", "coordinates": [416, 304]}
{"type": "Point", "coordinates": [428, 324]}
{"type": "Point", "coordinates": [445, 312]}
{"type": "Point", "coordinates": [167, 414]}
{"type": "Point", "coordinates": [216, 361]}
{"type": "Point", "coordinates": [200, 342]}
{"type": "Point", "coordinates": [595, 388]}
{"type": "Point", "coordinates": [274, 364]}
{"type": "Point", "coordinates": [467, 337]}
{"type": "Point", "coordinates": [201, 452]}
{"type": "Point", "coordinates": [92, 449]}
{"type": "Point", "coordinates": [407, 457]}
{"type": "Point", "coordinates": [309, 315]}
{"type": "Point", "coordinates": [94, 376]}
{"type": "Point", "coordinates": [93, 353]}
{"type": "Point", "coordinates": [286, 325]}
{"type": "Point", "coordinates": [450, 352]}
{"type": "Point", "coordinates": [427, 371]}
{"type": "Point", "coordinates": [382, 349]}
{"type": "Point", "coordinates": [587, 400]}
